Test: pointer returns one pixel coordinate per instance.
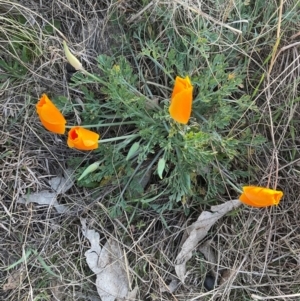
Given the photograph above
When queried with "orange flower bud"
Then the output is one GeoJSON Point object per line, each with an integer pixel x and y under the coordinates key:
{"type": "Point", "coordinates": [82, 138]}
{"type": "Point", "coordinates": [50, 116]}
{"type": "Point", "coordinates": [181, 100]}
{"type": "Point", "coordinates": [260, 196]}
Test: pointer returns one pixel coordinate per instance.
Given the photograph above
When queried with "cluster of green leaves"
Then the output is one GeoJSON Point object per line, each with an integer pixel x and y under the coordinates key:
{"type": "Point", "coordinates": [187, 163]}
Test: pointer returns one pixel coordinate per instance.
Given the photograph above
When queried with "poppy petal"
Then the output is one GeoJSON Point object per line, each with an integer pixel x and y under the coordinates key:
{"type": "Point", "coordinates": [181, 106]}
{"type": "Point", "coordinates": [82, 139]}
{"type": "Point", "coordinates": [181, 84]}
{"type": "Point", "coordinates": [181, 100]}
{"type": "Point", "coordinates": [50, 116]}
{"type": "Point", "coordinates": [260, 196]}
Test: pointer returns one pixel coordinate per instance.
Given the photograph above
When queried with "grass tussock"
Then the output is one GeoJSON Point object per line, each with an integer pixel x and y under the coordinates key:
{"type": "Point", "coordinates": [243, 60]}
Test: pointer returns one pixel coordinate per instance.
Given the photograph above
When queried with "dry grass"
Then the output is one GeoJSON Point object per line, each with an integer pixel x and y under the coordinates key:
{"type": "Point", "coordinates": [257, 251]}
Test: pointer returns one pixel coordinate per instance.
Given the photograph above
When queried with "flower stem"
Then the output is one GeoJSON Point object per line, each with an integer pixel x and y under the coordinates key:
{"type": "Point", "coordinates": [96, 78]}
{"type": "Point", "coordinates": [102, 124]}
{"type": "Point", "coordinates": [234, 186]}
{"type": "Point", "coordinates": [118, 138]}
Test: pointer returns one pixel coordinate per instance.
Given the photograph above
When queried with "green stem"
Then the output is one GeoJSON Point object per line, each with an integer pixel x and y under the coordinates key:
{"type": "Point", "coordinates": [102, 124]}
{"type": "Point", "coordinates": [96, 78]}
{"type": "Point", "coordinates": [118, 138]}
{"type": "Point", "coordinates": [234, 186]}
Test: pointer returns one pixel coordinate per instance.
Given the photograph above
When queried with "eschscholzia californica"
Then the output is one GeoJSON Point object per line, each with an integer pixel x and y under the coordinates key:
{"type": "Point", "coordinates": [260, 196]}
{"type": "Point", "coordinates": [82, 139]}
{"type": "Point", "coordinates": [74, 62]}
{"type": "Point", "coordinates": [181, 100]}
{"type": "Point", "coordinates": [50, 116]}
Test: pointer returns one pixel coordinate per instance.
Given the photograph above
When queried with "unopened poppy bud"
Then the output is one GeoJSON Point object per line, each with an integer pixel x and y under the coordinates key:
{"type": "Point", "coordinates": [181, 100]}
{"type": "Point", "coordinates": [260, 196]}
{"type": "Point", "coordinates": [74, 62]}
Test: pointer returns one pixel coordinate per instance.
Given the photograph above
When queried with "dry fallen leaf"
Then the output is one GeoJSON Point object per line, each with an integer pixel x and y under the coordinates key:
{"type": "Point", "coordinates": [207, 251]}
{"type": "Point", "coordinates": [62, 184]}
{"type": "Point", "coordinates": [211, 259]}
{"type": "Point", "coordinates": [112, 281]}
{"type": "Point", "coordinates": [197, 231]}
{"type": "Point", "coordinates": [108, 264]}
{"type": "Point", "coordinates": [45, 197]}
{"type": "Point", "coordinates": [93, 253]}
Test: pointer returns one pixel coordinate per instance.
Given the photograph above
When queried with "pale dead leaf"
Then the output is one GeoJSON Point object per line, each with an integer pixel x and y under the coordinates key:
{"type": "Point", "coordinates": [108, 264]}
{"type": "Point", "coordinates": [208, 253]}
{"type": "Point", "coordinates": [62, 184]}
{"type": "Point", "coordinates": [197, 231]}
{"type": "Point", "coordinates": [112, 281]}
{"type": "Point", "coordinates": [92, 255]}
{"type": "Point", "coordinates": [45, 197]}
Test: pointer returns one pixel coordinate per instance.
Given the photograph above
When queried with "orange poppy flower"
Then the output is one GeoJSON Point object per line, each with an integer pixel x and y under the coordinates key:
{"type": "Point", "coordinates": [82, 139]}
{"type": "Point", "coordinates": [181, 100]}
{"type": "Point", "coordinates": [50, 116]}
{"type": "Point", "coordinates": [260, 196]}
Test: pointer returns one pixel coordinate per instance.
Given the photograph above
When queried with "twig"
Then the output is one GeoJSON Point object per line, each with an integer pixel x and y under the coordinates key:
{"type": "Point", "coordinates": [294, 36]}
{"type": "Point", "coordinates": [286, 48]}
{"type": "Point", "coordinates": [256, 297]}
{"type": "Point", "coordinates": [132, 18]}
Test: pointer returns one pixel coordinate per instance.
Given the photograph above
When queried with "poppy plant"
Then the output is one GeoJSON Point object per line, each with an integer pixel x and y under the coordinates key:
{"type": "Point", "coordinates": [50, 116]}
{"type": "Point", "coordinates": [181, 100]}
{"type": "Point", "coordinates": [82, 139]}
{"type": "Point", "coordinates": [260, 196]}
